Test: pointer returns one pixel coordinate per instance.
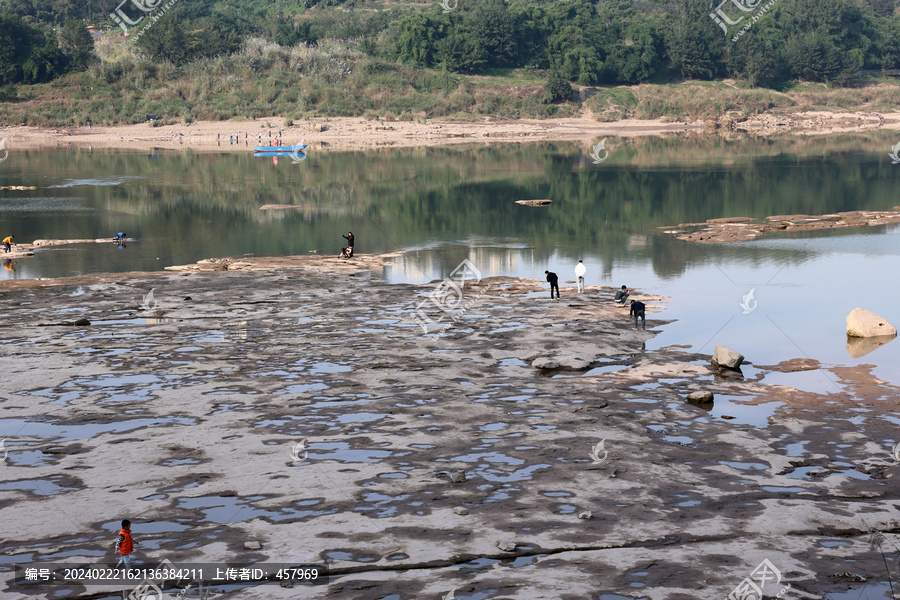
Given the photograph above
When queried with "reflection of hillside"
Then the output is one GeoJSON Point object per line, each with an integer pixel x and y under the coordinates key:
{"type": "Point", "coordinates": [394, 199]}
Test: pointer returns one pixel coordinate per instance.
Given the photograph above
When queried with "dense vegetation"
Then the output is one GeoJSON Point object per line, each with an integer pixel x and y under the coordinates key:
{"type": "Point", "coordinates": [252, 58]}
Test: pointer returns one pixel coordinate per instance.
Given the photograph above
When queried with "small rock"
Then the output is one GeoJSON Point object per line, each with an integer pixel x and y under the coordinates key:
{"type": "Point", "coordinates": [506, 546]}
{"type": "Point", "coordinates": [585, 515]}
{"type": "Point", "coordinates": [726, 357]}
{"type": "Point", "coordinates": [545, 363]}
{"type": "Point", "coordinates": [252, 545]}
{"type": "Point", "coordinates": [82, 322]}
{"type": "Point", "coordinates": [287, 583]}
{"type": "Point", "coordinates": [700, 397]}
{"type": "Point", "coordinates": [461, 511]}
{"type": "Point", "coordinates": [458, 477]}
{"type": "Point", "coordinates": [186, 298]}
{"type": "Point", "coordinates": [577, 363]}
{"type": "Point", "coordinates": [863, 323]}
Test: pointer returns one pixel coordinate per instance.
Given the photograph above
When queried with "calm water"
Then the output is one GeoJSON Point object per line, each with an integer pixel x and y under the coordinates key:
{"type": "Point", "coordinates": [443, 205]}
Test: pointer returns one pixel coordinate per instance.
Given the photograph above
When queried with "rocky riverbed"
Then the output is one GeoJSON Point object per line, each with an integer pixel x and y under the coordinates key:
{"type": "Point", "coordinates": [295, 402]}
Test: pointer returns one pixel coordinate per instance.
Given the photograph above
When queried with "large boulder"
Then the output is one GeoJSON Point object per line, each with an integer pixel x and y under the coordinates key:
{"type": "Point", "coordinates": [864, 323]}
{"type": "Point", "coordinates": [727, 358]}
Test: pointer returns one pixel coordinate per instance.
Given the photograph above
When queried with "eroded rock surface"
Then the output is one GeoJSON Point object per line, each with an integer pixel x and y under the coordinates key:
{"type": "Point", "coordinates": [303, 408]}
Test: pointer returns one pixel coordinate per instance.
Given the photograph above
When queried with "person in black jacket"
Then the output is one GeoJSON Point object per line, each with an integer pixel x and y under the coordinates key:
{"type": "Point", "coordinates": [350, 239]}
{"type": "Point", "coordinates": [554, 283]}
{"type": "Point", "coordinates": [637, 309]}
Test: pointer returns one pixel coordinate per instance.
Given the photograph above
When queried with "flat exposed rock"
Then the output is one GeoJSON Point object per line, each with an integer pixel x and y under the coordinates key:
{"type": "Point", "coordinates": [545, 363]}
{"type": "Point", "coordinates": [252, 545]}
{"type": "Point", "coordinates": [741, 229]}
{"type": "Point", "coordinates": [863, 323]}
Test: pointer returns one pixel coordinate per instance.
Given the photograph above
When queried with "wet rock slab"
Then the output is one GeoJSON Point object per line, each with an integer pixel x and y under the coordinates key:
{"type": "Point", "coordinates": [297, 404]}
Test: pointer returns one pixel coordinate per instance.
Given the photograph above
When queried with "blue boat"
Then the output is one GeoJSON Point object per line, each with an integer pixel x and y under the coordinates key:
{"type": "Point", "coordinates": [297, 155]}
{"type": "Point", "coordinates": [281, 150]}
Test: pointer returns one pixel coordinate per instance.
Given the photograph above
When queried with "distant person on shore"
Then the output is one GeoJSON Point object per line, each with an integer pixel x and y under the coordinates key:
{"type": "Point", "coordinates": [554, 283]}
{"type": "Point", "coordinates": [637, 309]}
{"type": "Point", "coordinates": [622, 295]}
{"type": "Point", "coordinates": [580, 270]}
{"type": "Point", "coordinates": [350, 240]}
{"type": "Point", "coordinates": [346, 253]}
{"type": "Point", "coordinates": [8, 243]}
{"type": "Point", "coordinates": [125, 544]}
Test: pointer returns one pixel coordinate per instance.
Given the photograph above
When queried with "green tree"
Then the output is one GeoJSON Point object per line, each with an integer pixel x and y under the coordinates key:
{"type": "Point", "coordinates": [493, 31]}
{"type": "Point", "coordinates": [77, 45]}
{"type": "Point", "coordinates": [557, 88]}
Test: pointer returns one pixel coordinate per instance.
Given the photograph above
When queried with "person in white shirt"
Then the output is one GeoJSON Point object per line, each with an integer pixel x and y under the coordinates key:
{"type": "Point", "coordinates": [579, 273]}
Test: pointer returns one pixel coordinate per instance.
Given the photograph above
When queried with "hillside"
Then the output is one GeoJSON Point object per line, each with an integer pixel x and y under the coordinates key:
{"type": "Point", "coordinates": [469, 60]}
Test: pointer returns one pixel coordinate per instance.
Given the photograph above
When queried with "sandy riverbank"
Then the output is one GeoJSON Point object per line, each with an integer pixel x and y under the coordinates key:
{"type": "Point", "coordinates": [342, 133]}
{"type": "Point", "coordinates": [184, 414]}
{"type": "Point", "coordinates": [353, 133]}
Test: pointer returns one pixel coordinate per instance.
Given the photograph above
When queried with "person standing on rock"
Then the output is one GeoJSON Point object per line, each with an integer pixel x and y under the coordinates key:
{"type": "Point", "coordinates": [554, 283]}
{"type": "Point", "coordinates": [637, 310]}
{"type": "Point", "coordinates": [8, 243]}
{"type": "Point", "coordinates": [350, 239]}
{"type": "Point", "coordinates": [580, 270]}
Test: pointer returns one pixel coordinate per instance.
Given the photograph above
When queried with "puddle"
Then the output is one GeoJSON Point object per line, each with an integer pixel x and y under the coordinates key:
{"type": "Point", "coordinates": [816, 381]}
{"type": "Point", "coordinates": [52, 431]}
{"type": "Point", "coordinates": [31, 458]}
{"type": "Point", "coordinates": [607, 369]}
{"type": "Point", "coordinates": [342, 452]}
{"type": "Point", "coordinates": [38, 487]}
{"type": "Point", "coordinates": [869, 591]}
{"type": "Point", "coordinates": [234, 509]}
{"type": "Point", "coordinates": [327, 367]}
{"type": "Point", "coordinates": [513, 362]}
{"type": "Point", "coordinates": [784, 490]}
{"type": "Point", "coordinates": [833, 543]}
{"type": "Point", "coordinates": [745, 466]}
{"type": "Point", "coordinates": [301, 388]}
{"type": "Point", "coordinates": [734, 407]}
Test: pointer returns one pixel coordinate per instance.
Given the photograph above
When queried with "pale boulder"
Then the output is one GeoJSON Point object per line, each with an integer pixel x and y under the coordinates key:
{"type": "Point", "coordinates": [726, 357]}
{"type": "Point", "coordinates": [864, 323]}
